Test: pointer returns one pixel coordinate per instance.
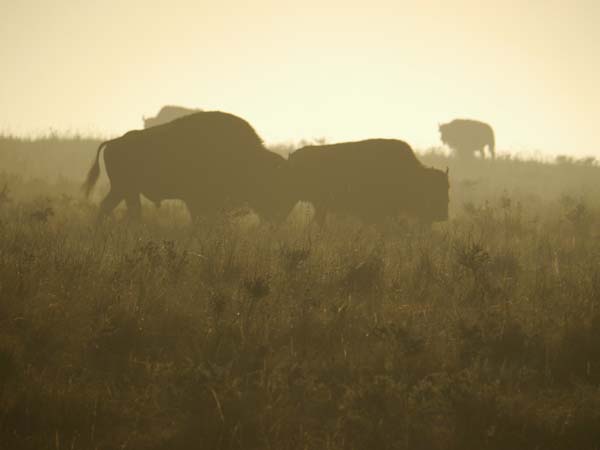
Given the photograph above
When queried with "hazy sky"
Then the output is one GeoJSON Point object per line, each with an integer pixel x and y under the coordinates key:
{"type": "Point", "coordinates": [342, 70]}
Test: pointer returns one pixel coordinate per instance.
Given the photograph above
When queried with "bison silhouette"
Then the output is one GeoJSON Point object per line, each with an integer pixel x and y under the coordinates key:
{"type": "Point", "coordinates": [168, 114]}
{"type": "Point", "coordinates": [466, 137]}
{"type": "Point", "coordinates": [211, 160]}
{"type": "Point", "coordinates": [372, 180]}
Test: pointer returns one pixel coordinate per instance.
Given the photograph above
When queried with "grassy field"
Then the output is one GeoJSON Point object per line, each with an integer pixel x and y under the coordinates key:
{"type": "Point", "coordinates": [479, 333]}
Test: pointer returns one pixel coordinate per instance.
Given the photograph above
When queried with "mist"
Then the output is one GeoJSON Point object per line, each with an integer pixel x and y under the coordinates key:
{"type": "Point", "coordinates": [337, 70]}
{"type": "Point", "coordinates": [320, 225]}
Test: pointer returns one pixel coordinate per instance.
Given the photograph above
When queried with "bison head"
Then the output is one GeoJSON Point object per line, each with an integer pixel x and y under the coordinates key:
{"type": "Point", "coordinates": [443, 129]}
{"type": "Point", "coordinates": [436, 189]}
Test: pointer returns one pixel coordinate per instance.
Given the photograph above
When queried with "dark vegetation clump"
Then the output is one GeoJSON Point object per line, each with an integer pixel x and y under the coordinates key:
{"type": "Point", "coordinates": [479, 333]}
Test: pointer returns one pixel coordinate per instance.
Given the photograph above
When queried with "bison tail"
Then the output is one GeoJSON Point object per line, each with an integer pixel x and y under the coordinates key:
{"type": "Point", "coordinates": [94, 173]}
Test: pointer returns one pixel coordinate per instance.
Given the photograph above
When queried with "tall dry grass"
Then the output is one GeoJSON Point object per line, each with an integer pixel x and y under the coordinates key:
{"type": "Point", "coordinates": [479, 333]}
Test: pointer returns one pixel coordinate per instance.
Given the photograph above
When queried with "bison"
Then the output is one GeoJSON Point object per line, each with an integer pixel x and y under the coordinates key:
{"type": "Point", "coordinates": [372, 180]}
{"type": "Point", "coordinates": [210, 160]}
{"type": "Point", "coordinates": [168, 114]}
{"type": "Point", "coordinates": [466, 137]}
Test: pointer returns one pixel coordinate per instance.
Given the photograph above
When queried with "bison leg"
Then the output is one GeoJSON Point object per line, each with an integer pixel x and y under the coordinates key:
{"type": "Point", "coordinates": [109, 203]}
{"type": "Point", "coordinates": [134, 206]}
{"type": "Point", "coordinates": [319, 216]}
{"type": "Point", "coordinates": [201, 211]}
{"type": "Point", "coordinates": [196, 211]}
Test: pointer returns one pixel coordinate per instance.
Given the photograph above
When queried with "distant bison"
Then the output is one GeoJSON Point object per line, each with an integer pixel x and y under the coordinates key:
{"type": "Point", "coordinates": [372, 180]}
{"type": "Point", "coordinates": [466, 137]}
{"type": "Point", "coordinates": [168, 114]}
{"type": "Point", "coordinates": [210, 160]}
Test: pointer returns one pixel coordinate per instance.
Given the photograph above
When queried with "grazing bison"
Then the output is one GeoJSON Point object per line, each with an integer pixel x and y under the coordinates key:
{"type": "Point", "coordinates": [210, 160]}
{"type": "Point", "coordinates": [466, 137]}
{"type": "Point", "coordinates": [372, 180]}
{"type": "Point", "coordinates": [168, 114]}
